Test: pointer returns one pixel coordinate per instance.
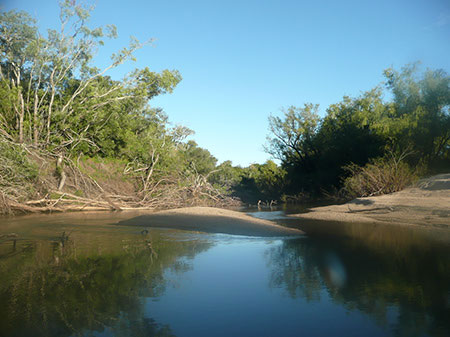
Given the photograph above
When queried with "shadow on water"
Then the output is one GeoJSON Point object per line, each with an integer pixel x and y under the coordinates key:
{"type": "Point", "coordinates": [82, 281]}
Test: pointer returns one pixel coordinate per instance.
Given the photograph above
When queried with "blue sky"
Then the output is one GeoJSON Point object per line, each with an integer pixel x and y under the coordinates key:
{"type": "Point", "coordinates": [243, 60]}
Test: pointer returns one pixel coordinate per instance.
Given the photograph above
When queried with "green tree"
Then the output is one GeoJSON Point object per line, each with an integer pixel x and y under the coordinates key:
{"type": "Point", "coordinates": [292, 135]}
{"type": "Point", "coordinates": [40, 75]}
{"type": "Point", "coordinates": [226, 176]}
{"type": "Point", "coordinates": [18, 46]}
{"type": "Point", "coordinates": [351, 132]}
{"type": "Point", "coordinates": [422, 118]}
{"type": "Point", "coordinates": [197, 159]}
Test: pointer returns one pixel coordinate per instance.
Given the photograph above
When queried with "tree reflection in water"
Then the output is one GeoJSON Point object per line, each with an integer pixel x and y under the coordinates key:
{"type": "Point", "coordinates": [96, 280]}
{"type": "Point", "coordinates": [73, 286]}
{"type": "Point", "coordinates": [403, 286]}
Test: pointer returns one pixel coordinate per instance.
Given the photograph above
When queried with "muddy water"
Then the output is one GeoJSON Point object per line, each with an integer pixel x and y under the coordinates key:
{"type": "Point", "coordinates": [82, 275]}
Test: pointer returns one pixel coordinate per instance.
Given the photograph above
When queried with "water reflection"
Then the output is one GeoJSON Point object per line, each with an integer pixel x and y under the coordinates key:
{"type": "Point", "coordinates": [404, 288]}
{"type": "Point", "coordinates": [93, 279]}
{"type": "Point", "coordinates": [76, 284]}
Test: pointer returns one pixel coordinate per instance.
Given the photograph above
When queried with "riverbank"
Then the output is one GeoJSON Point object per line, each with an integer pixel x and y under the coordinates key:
{"type": "Point", "coordinates": [425, 204]}
{"type": "Point", "coordinates": [36, 181]}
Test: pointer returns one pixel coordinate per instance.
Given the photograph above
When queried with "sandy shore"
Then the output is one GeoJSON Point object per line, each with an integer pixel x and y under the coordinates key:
{"type": "Point", "coordinates": [426, 204]}
{"type": "Point", "coordinates": [212, 220]}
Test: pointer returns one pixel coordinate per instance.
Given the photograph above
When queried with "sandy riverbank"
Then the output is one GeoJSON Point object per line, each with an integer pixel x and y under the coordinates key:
{"type": "Point", "coordinates": [427, 204]}
{"type": "Point", "coordinates": [211, 220]}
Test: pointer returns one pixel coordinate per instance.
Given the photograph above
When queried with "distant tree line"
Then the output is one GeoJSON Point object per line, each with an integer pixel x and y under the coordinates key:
{"type": "Point", "coordinates": [365, 145]}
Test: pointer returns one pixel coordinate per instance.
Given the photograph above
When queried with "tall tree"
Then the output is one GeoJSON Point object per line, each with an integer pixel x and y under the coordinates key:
{"type": "Point", "coordinates": [422, 111]}
{"type": "Point", "coordinates": [292, 135]}
{"type": "Point", "coordinates": [18, 44]}
{"type": "Point", "coordinates": [46, 81]}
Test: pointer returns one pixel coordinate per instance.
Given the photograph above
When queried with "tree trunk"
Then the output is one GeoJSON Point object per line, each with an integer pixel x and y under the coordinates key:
{"type": "Point", "coordinates": [60, 170]}
{"type": "Point", "coordinates": [50, 106]}
{"type": "Point", "coordinates": [35, 121]}
{"type": "Point", "coordinates": [21, 116]}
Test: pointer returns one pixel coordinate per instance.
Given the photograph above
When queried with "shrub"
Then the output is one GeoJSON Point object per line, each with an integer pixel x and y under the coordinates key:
{"type": "Point", "coordinates": [17, 173]}
{"type": "Point", "coordinates": [380, 176]}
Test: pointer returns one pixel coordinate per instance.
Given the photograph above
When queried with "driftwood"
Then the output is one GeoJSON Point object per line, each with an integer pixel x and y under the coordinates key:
{"type": "Point", "coordinates": [164, 198]}
{"type": "Point", "coordinates": [68, 201]}
{"type": "Point", "coordinates": [60, 168]}
{"type": "Point", "coordinates": [57, 191]}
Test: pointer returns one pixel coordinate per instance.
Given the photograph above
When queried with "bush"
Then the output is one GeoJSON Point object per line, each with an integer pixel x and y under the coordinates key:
{"type": "Point", "coordinates": [17, 173]}
{"type": "Point", "coordinates": [380, 176]}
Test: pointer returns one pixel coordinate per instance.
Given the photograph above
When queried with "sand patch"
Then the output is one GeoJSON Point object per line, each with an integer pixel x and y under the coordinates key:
{"type": "Point", "coordinates": [212, 220]}
{"type": "Point", "coordinates": [427, 204]}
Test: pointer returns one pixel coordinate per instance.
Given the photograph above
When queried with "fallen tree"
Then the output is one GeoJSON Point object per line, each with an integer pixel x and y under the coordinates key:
{"type": "Point", "coordinates": [31, 181]}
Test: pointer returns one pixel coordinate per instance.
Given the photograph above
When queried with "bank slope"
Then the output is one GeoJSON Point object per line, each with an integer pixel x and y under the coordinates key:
{"type": "Point", "coordinates": [427, 203]}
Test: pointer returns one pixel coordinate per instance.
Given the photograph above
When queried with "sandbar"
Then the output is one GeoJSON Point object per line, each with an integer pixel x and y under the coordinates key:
{"type": "Point", "coordinates": [212, 220]}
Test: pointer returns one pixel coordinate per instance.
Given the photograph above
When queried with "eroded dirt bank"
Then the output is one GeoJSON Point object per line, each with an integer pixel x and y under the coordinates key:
{"type": "Point", "coordinates": [426, 204]}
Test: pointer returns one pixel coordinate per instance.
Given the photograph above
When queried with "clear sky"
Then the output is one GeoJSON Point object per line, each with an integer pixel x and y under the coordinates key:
{"type": "Point", "coordinates": [243, 60]}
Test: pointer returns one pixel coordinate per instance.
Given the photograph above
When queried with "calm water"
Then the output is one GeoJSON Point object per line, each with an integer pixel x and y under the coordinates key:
{"type": "Point", "coordinates": [81, 275]}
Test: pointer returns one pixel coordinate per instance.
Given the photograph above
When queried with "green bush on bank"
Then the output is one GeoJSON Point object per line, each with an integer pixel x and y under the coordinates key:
{"type": "Point", "coordinates": [17, 172]}
{"type": "Point", "coordinates": [379, 176]}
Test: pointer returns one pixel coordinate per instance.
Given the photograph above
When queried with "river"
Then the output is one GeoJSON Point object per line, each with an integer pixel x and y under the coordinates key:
{"type": "Point", "coordinates": [82, 275]}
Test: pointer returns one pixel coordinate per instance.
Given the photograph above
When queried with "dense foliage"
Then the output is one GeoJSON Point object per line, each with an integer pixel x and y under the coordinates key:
{"type": "Point", "coordinates": [363, 146]}
{"type": "Point", "coordinates": [52, 95]}
{"type": "Point", "coordinates": [257, 182]}
{"type": "Point", "coordinates": [414, 126]}
{"type": "Point", "coordinates": [53, 99]}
